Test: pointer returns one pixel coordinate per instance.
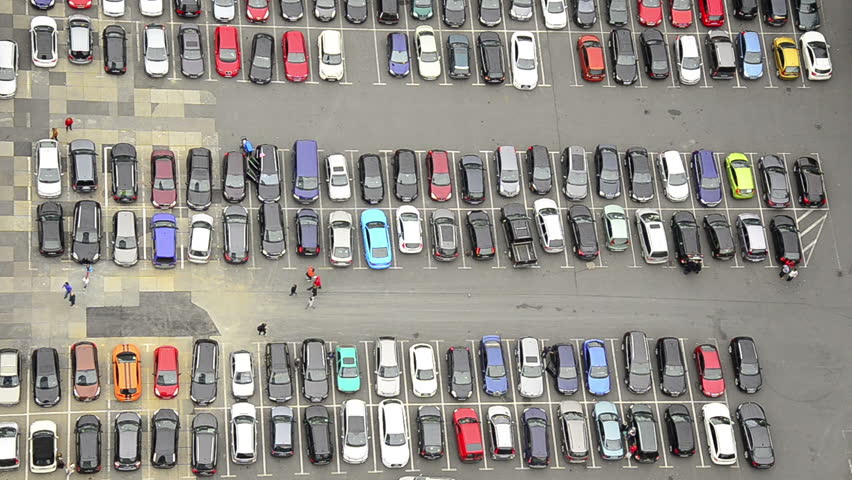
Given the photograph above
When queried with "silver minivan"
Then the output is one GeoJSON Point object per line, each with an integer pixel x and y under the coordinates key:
{"type": "Point", "coordinates": [652, 236]}
{"type": "Point", "coordinates": [508, 171]}
{"type": "Point", "coordinates": [125, 239]}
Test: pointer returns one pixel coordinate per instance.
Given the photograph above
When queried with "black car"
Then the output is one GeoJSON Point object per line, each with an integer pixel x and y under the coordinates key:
{"type": "Point", "coordinates": [165, 428]}
{"type": "Point", "coordinates": [318, 432]}
{"type": "Point", "coordinates": [371, 179]}
{"type": "Point", "coordinates": [585, 13]}
{"type": "Point", "coordinates": [233, 177]}
{"type": "Point", "coordinates": [562, 366]}
{"type": "Point", "coordinates": [205, 371]}
{"type": "Point", "coordinates": [680, 430]}
{"type": "Point", "coordinates": [191, 51]}
{"type": "Point", "coordinates": [458, 56]}
{"type": "Point", "coordinates": [47, 390]}
{"type": "Point", "coordinates": [639, 174]}
{"type": "Point", "coordinates": [188, 8]}
{"type": "Point", "coordinates": [87, 433]}
{"type": "Point", "coordinates": [472, 173]}
{"type": "Point", "coordinates": [616, 13]}
{"type": "Point", "coordinates": [199, 183]}
{"type": "Point", "coordinates": [583, 232]}
{"type": "Point", "coordinates": [641, 418]}
{"type": "Point", "coordinates": [775, 12]}
{"type": "Point", "coordinates": [454, 12]}
{"type": "Point", "coordinates": [115, 50]}
{"type": "Point", "coordinates": [721, 238]}
{"type": "Point", "coordinates": [687, 242]}
{"type": "Point", "coordinates": [539, 172]}
{"type": "Point", "coordinates": [490, 12]}
{"type": "Point", "coordinates": [671, 369]}
{"type": "Point", "coordinates": [607, 172]}
{"type": "Point", "coordinates": [637, 362]}
{"type": "Point", "coordinates": [88, 230]}
{"type": "Point", "coordinates": [747, 370]}
{"type": "Point", "coordinates": [623, 57]}
{"type": "Point", "coordinates": [481, 233]}
{"type": "Point", "coordinates": [205, 444]}
{"type": "Point", "coordinates": [430, 432]}
{"type": "Point", "coordinates": [314, 367]}
{"type": "Point", "coordinates": [536, 444]}
{"type": "Point", "coordinates": [745, 9]}
{"type": "Point", "coordinates": [809, 179]}
{"type": "Point", "coordinates": [325, 10]}
{"type": "Point", "coordinates": [84, 165]}
{"type": "Point", "coordinates": [355, 10]}
{"type": "Point", "coordinates": [405, 175]}
{"type": "Point", "coordinates": [445, 247]}
{"type": "Point", "coordinates": [655, 54]}
{"type": "Point", "coordinates": [307, 232]}
{"type": "Point", "coordinates": [807, 14]}
{"type": "Point", "coordinates": [294, 10]}
{"type": "Point", "coordinates": [272, 239]}
{"type": "Point", "coordinates": [122, 160]}
{"type": "Point", "coordinates": [262, 60]}
{"type": "Point", "coordinates": [757, 441]}
{"type": "Point", "coordinates": [459, 373]}
{"type": "Point", "coordinates": [785, 236]}
{"type": "Point", "coordinates": [127, 449]}
{"type": "Point", "coordinates": [51, 230]}
{"type": "Point", "coordinates": [773, 173]}
{"type": "Point", "coordinates": [491, 57]}
{"type": "Point", "coordinates": [235, 233]}
{"type": "Point", "coordinates": [265, 170]}
{"type": "Point", "coordinates": [279, 373]}
{"type": "Point", "coordinates": [282, 431]}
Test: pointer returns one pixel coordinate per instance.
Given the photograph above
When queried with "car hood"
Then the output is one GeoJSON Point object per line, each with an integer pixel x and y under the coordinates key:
{"type": "Point", "coordinates": [454, 18]}
{"type": "Point", "coordinates": [164, 197]}
{"type": "Point", "coordinates": [47, 396]}
{"type": "Point", "coordinates": [235, 194]}
{"type": "Point", "coordinates": [399, 68]}
{"type": "Point", "coordinates": [531, 386]}
{"type": "Point", "coordinates": [10, 396]}
{"type": "Point", "coordinates": [710, 195]}
{"type": "Point", "coordinates": [8, 87]}
{"type": "Point", "coordinates": [490, 16]}
{"type": "Point", "coordinates": [808, 20]}
{"type": "Point", "coordinates": [200, 199]}
{"type": "Point", "coordinates": [510, 189]}
{"type": "Point", "coordinates": [576, 192]}
{"type": "Point", "coordinates": [315, 391]}
{"type": "Point", "coordinates": [203, 393]}
{"type": "Point", "coordinates": [86, 252]}
{"type": "Point", "coordinates": [643, 191]}
{"type": "Point", "coordinates": [280, 393]}
{"type": "Point", "coordinates": [518, 11]}
{"type": "Point", "coordinates": [496, 386]}
{"type": "Point", "coordinates": [586, 18]}
{"type": "Point", "coordinates": [355, 454]}
{"type": "Point", "coordinates": [397, 455]}
{"type": "Point", "coordinates": [462, 391]}
{"type": "Point", "coordinates": [292, 11]}
{"type": "Point", "coordinates": [272, 249]}
{"type": "Point", "coordinates": [567, 386]}
{"type": "Point", "coordinates": [627, 73]}
{"type": "Point", "coordinates": [598, 385]}
{"type": "Point", "coordinates": [242, 389]}
{"type": "Point", "coordinates": [373, 194]}
{"type": "Point", "coordinates": [342, 192]}
{"type": "Point", "coordinates": [387, 387]}
{"type": "Point", "coordinates": [269, 193]}
{"type": "Point", "coordinates": [618, 17]}
{"type": "Point", "coordinates": [193, 68]}
{"type": "Point", "coordinates": [674, 385]}
{"type": "Point", "coordinates": [113, 8]}
{"type": "Point", "coordinates": [679, 192]}
{"type": "Point", "coordinates": [750, 383]}
{"type": "Point", "coordinates": [223, 13]}
{"type": "Point", "coordinates": [306, 194]}
{"type": "Point", "coordinates": [406, 192]}
{"type": "Point", "coordinates": [752, 70]}
{"type": "Point", "coordinates": [357, 13]}
{"type": "Point", "coordinates": [87, 391]}
{"type": "Point", "coordinates": [157, 67]}
{"type": "Point", "coordinates": [640, 383]}
{"type": "Point", "coordinates": [49, 190]}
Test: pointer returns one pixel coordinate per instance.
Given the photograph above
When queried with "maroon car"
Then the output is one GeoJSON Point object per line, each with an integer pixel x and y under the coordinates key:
{"type": "Point", "coordinates": [163, 184]}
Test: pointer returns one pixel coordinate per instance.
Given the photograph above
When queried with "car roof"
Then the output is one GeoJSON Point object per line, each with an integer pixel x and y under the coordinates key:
{"type": "Point", "coordinates": [688, 45]}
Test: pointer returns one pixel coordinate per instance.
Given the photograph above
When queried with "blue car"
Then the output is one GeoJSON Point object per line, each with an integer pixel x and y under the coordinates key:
{"type": "Point", "coordinates": [708, 182]}
{"type": "Point", "coordinates": [750, 55]}
{"type": "Point", "coordinates": [495, 383]}
{"type": "Point", "coordinates": [164, 233]}
{"type": "Point", "coordinates": [399, 61]}
{"type": "Point", "coordinates": [376, 234]}
{"type": "Point", "coordinates": [608, 428]}
{"type": "Point", "coordinates": [596, 367]}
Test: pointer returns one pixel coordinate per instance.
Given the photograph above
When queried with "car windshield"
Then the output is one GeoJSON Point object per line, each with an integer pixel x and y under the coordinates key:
{"type": "Point", "coordinates": [280, 378]}
{"type": "Point", "coordinates": [296, 57]}
{"type": "Point", "coordinates": [243, 378]}
{"type": "Point", "coordinates": [441, 179]}
{"type": "Point", "coordinates": [626, 59]}
{"type": "Point", "coordinates": [49, 175]}
{"type": "Point", "coordinates": [156, 54]}
{"type": "Point", "coordinates": [427, 374]}
{"type": "Point", "coordinates": [455, 5]}
{"type": "Point", "coordinates": [261, 61]}
{"type": "Point", "coordinates": [651, 3]}
{"type": "Point", "coordinates": [373, 182]}
{"type": "Point", "coordinates": [556, 7]}
{"type": "Point", "coordinates": [522, 3]}
{"type": "Point", "coordinates": [389, 372]}
{"type": "Point", "coordinates": [316, 374]}
{"type": "Point", "coordinates": [202, 185]}
{"type": "Point", "coordinates": [407, 179]}
{"type": "Point", "coordinates": [819, 49]}
{"type": "Point", "coordinates": [429, 56]}
{"type": "Point", "coordinates": [274, 236]}
{"type": "Point", "coordinates": [47, 381]}
{"type": "Point", "coordinates": [223, 3]}
{"type": "Point", "coordinates": [711, 182]}
{"type": "Point", "coordinates": [399, 56]}
{"type": "Point", "coordinates": [167, 378]}
{"type": "Point", "coordinates": [752, 57]}
{"type": "Point", "coordinates": [127, 427]}
{"type": "Point", "coordinates": [235, 181]}
{"type": "Point", "coordinates": [228, 54]}
{"type": "Point", "coordinates": [461, 378]}
{"type": "Point", "coordinates": [609, 175]}
{"type": "Point", "coordinates": [690, 63]}
{"type": "Point", "coordinates": [258, 3]}
{"type": "Point", "coordinates": [7, 74]}
{"type": "Point", "coordinates": [307, 183]}
{"type": "Point", "coordinates": [599, 372]}
{"type": "Point", "coordinates": [749, 369]}
{"type": "Point", "coordinates": [509, 176]}
{"type": "Point", "coordinates": [10, 381]}
{"type": "Point", "coordinates": [356, 434]}
{"type": "Point", "coordinates": [85, 237]}
{"type": "Point", "coordinates": [341, 252]}
{"type": "Point", "coordinates": [86, 378]}
{"type": "Point", "coordinates": [642, 177]}
{"type": "Point", "coordinates": [526, 63]}
{"type": "Point", "coordinates": [243, 420]}
{"type": "Point", "coordinates": [682, 5]}
{"type": "Point", "coordinates": [612, 444]}
{"type": "Point", "coordinates": [713, 374]}
{"type": "Point", "coordinates": [395, 439]}
{"type": "Point", "coordinates": [204, 378]}
{"type": "Point", "coordinates": [496, 371]}
{"type": "Point", "coordinates": [531, 371]}
{"type": "Point", "coordinates": [268, 179]}
{"type": "Point", "coordinates": [381, 252]}
{"type": "Point", "coordinates": [7, 432]}
{"type": "Point", "coordinates": [329, 59]}
{"type": "Point", "coordinates": [490, 4]}
{"type": "Point", "coordinates": [348, 372]}
{"type": "Point", "coordinates": [673, 371]}
{"type": "Point", "coordinates": [677, 179]}
{"type": "Point", "coordinates": [339, 180]}
{"type": "Point", "coordinates": [567, 372]}
{"type": "Point", "coordinates": [577, 178]}
{"type": "Point", "coordinates": [164, 184]}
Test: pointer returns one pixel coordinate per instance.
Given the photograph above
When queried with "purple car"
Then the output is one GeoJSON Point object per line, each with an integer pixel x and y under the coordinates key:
{"type": "Point", "coordinates": [399, 62]}
{"type": "Point", "coordinates": [43, 4]}
{"type": "Point", "coordinates": [708, 183]}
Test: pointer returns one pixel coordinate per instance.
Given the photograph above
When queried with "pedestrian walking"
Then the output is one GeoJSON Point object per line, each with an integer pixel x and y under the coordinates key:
{"type": "Point", "coordinates": [311, 302]}
{"type": "Point", "coordinates": [261, 329]}
{"type": "Point", "coordinates": [310, 273]}
{"type": "Point", "coordinates": [793, 274]}
{"type": "Point", "coordinates": [69, 124]}
{"type": "Point", "coordinates": [89, 270]}
{"type": "Point", "coordinates": [785, 270]}
{"type": "Point", "coordinates": [246, 145]}
{"type": "Point", "coordinates": [60, 462]}
{"type": "Point", "coordinates": [318, 282]}
{"type": "Point", "coordinates": [68, 288]}
{"type": "Point", "coordinates": [86, 281]}
{"type": "Point", "coordinates": [54, 134]}
{"type": "Point", "coordinates": [69, 469]}
{"type": "Point", "coordinates": [73, 299]}
{"type": "Point", "coordinates": [293, 290]}
{"type": "Point", "coordinates": [314, 291]}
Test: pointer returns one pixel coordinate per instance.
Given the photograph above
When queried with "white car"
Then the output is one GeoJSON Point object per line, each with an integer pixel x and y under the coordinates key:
{"type": "Point", "coordinates": [393, 434]}
{"type": "Point", "coordinates": [113, 8]}
{"type": "Point", "coordinates": [652, 236]}
{"type": "Point", "coordinates": [224, 10]}
{"type": "Point", "coordinates": [815, 56]}
{"type": "Point", "coordinates": [340, 233]}
{"type": "Point", "coordinates": [688, 59]}
{"type": "Point", "coordinates": [43, 40]}
{"type": "Point", "coordinates": [337, 178]}
{"type": "Point", "coordinates": [720, 433]}
{"type": "Point", "coordinates": [424, 377]}
{"type": "Point", "coordinates": [550, 232]}
{"type": "Point", "coordinates": [200, 238]}
{"type": "Point", "coordinates": [10, 377]}
{"type": "Point", "coordinates": [387, 367]}
{"type": "Point", "coordinates": [408, 229]}
{"type": "Point", "coordinates": [500, 430]}
{"type": "Point", "coordinates": [355, 444]}
{"type": "Point", "coordinates": [331, 55]}
{"type": "Point", "coordinates": [673, 176]}
{"type": "Point", "coordinates": [428, 59]}
{"type": "Point", "coordinates": [8, 68]}
{"type": "Point", "coordinates": [530, 368]}
{"type": "Point", "coordinates": [155, 50]}
{"type": "Point", "coordinates": [48, 170]}
{"type": "Point", "coordinates": [43, 446]}
{"type": "Point", "coordinates": [243, 433]}
{"type": "Point", "coordinates": [554, 14]}
{"type": "Point", "coordinates": [9, 448]}
{"type": "Point", "coordinates": [524, 61]}
{"type": "Point", "coordinates": [242, 375]}
{"type": "Point", "coordinates": [151, 8]}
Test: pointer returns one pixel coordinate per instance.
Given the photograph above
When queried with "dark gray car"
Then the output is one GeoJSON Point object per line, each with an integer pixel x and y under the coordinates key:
{"type": "Point", "coordinates": [279, 373]}
{"type": "Point", "coordinates": [282, 431]}
{"type": "Point", "coordinates": [268, 173]}
{"type": "Point", "coordinates": [314, 368]}
{"type": "Point", "coordinates": [205, 372]}
{"type": "Point", "coordinates": [625, 69]}
{"type": "Point", "coordinates": [472, 170]}
{"type": "Point", "coordinates": [454, 12]}
{"type": "Point", "coordinates": [355, 10]}
{"type": "Point", "coordinates": [205, 444]}
{"type": "Point", "coordinates": [88, 435]}
{"type": "Point", "coordinates": [536, 441]}
{"type": "Point", "coordinates": [430, 432]}
{"type": "Point", "coordinates": [165, 426]}
{"type": "Point", "coordinates": [262, 60]}
{"type": "Point", "coordinates": [458, 56]}
{"type": "Point", "coordinates": [640, 180]}
{"type": "Point", "coordinates": [234, 177]}
{"type": "Point", "coordinates": [122, 159]}
{"type": "Point", "coordinates": [405, 175]}
{"type": "Point", "coordinates": [490, 12]}
{"type": "Point", "coordinates": [88, 229]}
{"type": "Point", "coordinates": [292, 10]}
{"type": "Point", "coordinates": [199, 183]}
{"type": "Point", "coordinates": [236, 223]}
{"type": "Point", "coordinates": [585, 13]}
{"type": "Point", "coordinates": [773, 172]}
{"type": "Point", "coordinates": [47, 390]}
{"type": "Point", "coordinates": [371, 179]}
{"type": "Point", "coordinates": [127, 450]}
{"type": "Point", "coordinates": [191, 51]}
{"type": "Point", "coordinates": [607, 172]}
{"type": "Point", "coordinates": [272, 239]}
{"type": "Point", "coordinates": [84, 168]}
{"type": "Point", "coordinates": [637, 362]}
{"type": "Point", "coordinates": [617, 14]}
{"type": "Point", "coordinates": [444, 231]}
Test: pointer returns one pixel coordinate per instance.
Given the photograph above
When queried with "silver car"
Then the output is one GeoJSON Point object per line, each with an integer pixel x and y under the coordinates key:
{"type": "Point", "coordinates": [575, 433]}
{"type": "Point", "coordinates": [355, 439]}
{"type": "Point", "coordinates": [575, 174]}
{"type": "Point", "coordinates": [508, 171]}
{"type": "Point", "coordinates": [530, 369]}
{"type": "Point", "coordinates": [125, 239]}
{"type": "Point", "coordinates": [156, 51]}
{"type": "Point", "coordinates": [340, 233]}
{"type": "Point", "coordinates": [500, 431]}
{"type": "Point", "coordinates": [387, 367]}
{"type": "Point", "coordinates": [10, 376]}
{"type": "Point", "coordinates": [752, 237]}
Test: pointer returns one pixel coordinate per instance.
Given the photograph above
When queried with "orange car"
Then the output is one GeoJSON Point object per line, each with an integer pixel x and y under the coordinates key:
{"type": "Point", "coordinates": [127, 372]}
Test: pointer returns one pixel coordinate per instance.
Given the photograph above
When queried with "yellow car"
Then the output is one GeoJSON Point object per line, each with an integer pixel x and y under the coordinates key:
{"type": "Point", "coordinates": [787, 65]}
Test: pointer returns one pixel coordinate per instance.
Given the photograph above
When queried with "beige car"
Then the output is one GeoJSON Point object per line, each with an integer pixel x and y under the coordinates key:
{"type": "Point", "coordinates": [10, 376]}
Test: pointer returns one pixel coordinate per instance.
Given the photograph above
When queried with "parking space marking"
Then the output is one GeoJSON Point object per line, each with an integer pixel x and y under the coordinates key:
{"type": "Point", "coordinates": [555, 168]}
{"type": "Point", "coordinates": [554, 419]}
{"type": "Point", "coordinates": [298, 395]}
{"type": "Point", "coordinates": [262, 408]}
{"type": "Point", "coordinates": [457, 194]}
{"type": "Point", "coordinates": [694, 411]}
{"type": "Point", "coordinates": [493, 213]}
{"type": "Point", "coordinates": [376, 45]}
{"type": "Point", "coordinates": [373, 426]}
{"type": "Point", "coordinates": [621, 402]}
{"type": "Point", "coordinates": [404, 374]}
{"type": "Point", "coordinates": [438, 362]}
{"type": "Point", "coordinates": [474, 375]}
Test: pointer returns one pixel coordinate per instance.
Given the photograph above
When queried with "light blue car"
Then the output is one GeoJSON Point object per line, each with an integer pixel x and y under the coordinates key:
{"type": "Point", "coordinates": [376, 234]}
{"type": "Point", "coordinates": [750, 55]}
{"type": "Point", "coordinates": [608, 427]}
{"type": "Point", "coordinates": [596, 367]}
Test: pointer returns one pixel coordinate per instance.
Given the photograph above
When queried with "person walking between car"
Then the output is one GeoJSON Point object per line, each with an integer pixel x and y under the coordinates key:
{"type": "Point", "coordinates": [69, 124]}
{"type": "Point", "coordinates": [793, 274]}
{"type": "Point", "coordinates": [86, 281]}
{"type": "Point", "coordinates": [247, 147]}
{"type": "Point", "coordinates": [261, 329]}
{"type": "Point", "coordinates": [785, 270]}
{"type": "Point", "coordinates": [313, 291]}
{"type": "Point", "coordinates": [310, 273]}
{"type": "Point", "coordinates": [54, 134]}
{"type": "Point", "coordinates": [73, 299]}
{"type": "Point", "coordinates": [69, 469]}
{"type": "Point", "coordinates": [293, 290]}
{"type": "Point", "coordinates": [67, 286]}
{"type": "Point", "coordinates": [317, 282]}
{"type": "Point", "coordinates": [311, 301]}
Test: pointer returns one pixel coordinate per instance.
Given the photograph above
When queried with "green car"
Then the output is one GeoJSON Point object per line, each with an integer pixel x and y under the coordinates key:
{"type": "Point", "coordinates": [421, 9]}
{"type": "Point", "coordinates": [740, 176]}
{"type": "Point", "coordinates": [348, 372]}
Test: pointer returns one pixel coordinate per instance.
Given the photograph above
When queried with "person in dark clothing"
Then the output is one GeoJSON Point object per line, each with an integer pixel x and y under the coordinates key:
{"type": "Point", "coordinates": [73, 299]}
{"type": "Point", "coordinates": [68, 288]}
{"type": "Point", "coordinates": [293, 290]}
{"type": "Point", "coordinates": [261, 329]}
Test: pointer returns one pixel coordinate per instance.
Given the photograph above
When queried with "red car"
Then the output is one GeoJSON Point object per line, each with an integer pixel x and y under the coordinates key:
{"type": "Point", "coordinates": [163, 183]}
{"type": "Point", "coordinates": [80, 4]}
{"type": "Point", "coordinates": [712, 12]}
{"type": "Point", "coordinates": [650, 12]}
{"type": "Point", "coordinates": [681, 13]}
{"type": "Point", "coordinates": [709, 370]}
{"type": "Point", "coordinates": [296, 66]}
{"type": "Point", "coordinates": [257, 10]}
{"type": "Point", "coordinates": [166, 374]}
{"type": "Point", "coordinates": [226, 42]}
{"type": "Point", "coordinates": [592, 59]}
{"type": "Point", "coordinates": [468, 435]}
{"type": "Point", "coordinates": [440, 183]}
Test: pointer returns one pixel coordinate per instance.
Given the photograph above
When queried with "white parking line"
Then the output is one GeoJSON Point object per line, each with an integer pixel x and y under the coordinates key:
{"type": "Point", "coordinates": [298, 395]}
{"type": "Point", "coordinates": [694, 411]}
{"type": "Point", "coordinates": [482, 418]}
{"type": "Point", "coordinates": [262, 422]}
{"type": "Point", "coordinates": [493, 215]}
{"type": "Point", "coordinates": [441, 388]}
{"type": "Point", "coordinates": [403, 354]}
{"type": "Point", "coordinates": [554, 419]}
{"type": "Point", "coordinates": [617, 387]}
{"type": "Point", "coordinates": [369, 374]}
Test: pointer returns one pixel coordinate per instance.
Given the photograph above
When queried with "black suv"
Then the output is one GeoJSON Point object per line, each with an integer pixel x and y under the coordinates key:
{"type": "Point", "coordinates": [472, 170]}
{"type": "Point", "coordinates": [491, 57]}
{"type": "Point", "coordinates": [480, 230]}
{"type": "Point", "coordinates": [459, 373]}
{"type": "Point", "coordinates": [127, 450]}
{"type": "Point", "coordinates": [165, 426]}
{"type": "Point", "coordinates": [637, 362]}
{"type": "Point", "coordinates": [623, 56]}
{"type": "Point", "coordinates": [458, 56]}
{"type": "Point", "coordinates": [51, 231]}
{"type": "Point", "coordinates": [84, 169]}
{"type": "Point", "coordinates": [641, 418]}
{"type": "Point", "coordinates": [430, 432]}
{"type": "Point", "coordinates": [405, 175]}
{"type": "Point", "coordinates": [785, 237]}
{"type": "Point", "coordinates": [318, 432]}
{"type": "Point", "coordinates": [279, 373]}
{"type": "Point", "coordinates": [272, 237]}
{"type": "Point", "coordinates": [199, 183]}
{"type": "Point", "coordinates": [672, 371]}
{"type": "Point", "coordinates": [88, 230]}
{"type": "Point", "coordinates": [122, 159]}
{"type": "Point", "coordinates": [115, 50]}
{"type": "Point", "coordinates": [87, 432]}
{"type": "Point", "coordinates": [371, 179]}
{"type": "Point", "coordinates": [680, 430]}
{"type": "Point", "coordinates": [686, 239]}
{"type": "Point", "coordinates": [539, 172]}
{"type": "Point", "coordinates": [747, 375]}
{"type": "Point", "coordinates": [314, 367]}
